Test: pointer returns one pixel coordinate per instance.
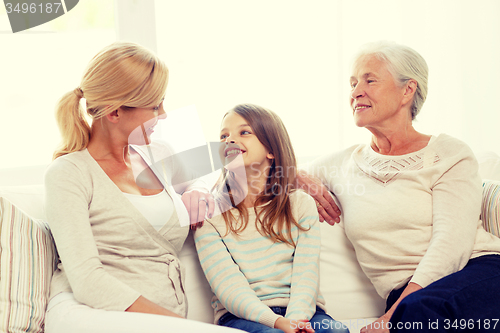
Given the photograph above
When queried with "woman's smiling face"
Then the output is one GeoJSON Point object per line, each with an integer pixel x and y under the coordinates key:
{"type": "Point", "coordinates": [240, 139]}
{"type": "Point", "coordinates": [142, 121]}
{"type": "Point", "coordinates": [375, 96]}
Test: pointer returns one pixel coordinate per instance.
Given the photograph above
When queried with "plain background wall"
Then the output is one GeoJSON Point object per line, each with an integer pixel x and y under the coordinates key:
{"type": "Point", "coordinates": [290, 56]}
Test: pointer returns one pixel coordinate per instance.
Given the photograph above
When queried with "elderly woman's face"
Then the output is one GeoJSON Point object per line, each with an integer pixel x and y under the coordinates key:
{"type": "Point", "coordinates": [375, 96]}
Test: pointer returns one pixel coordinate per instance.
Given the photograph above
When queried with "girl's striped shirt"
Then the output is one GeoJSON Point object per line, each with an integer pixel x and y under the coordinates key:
{"type": "Point", "coordinates": [248, 272]}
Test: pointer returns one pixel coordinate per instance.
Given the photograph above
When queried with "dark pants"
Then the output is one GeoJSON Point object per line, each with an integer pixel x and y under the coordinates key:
{"type": "Point", "coordinates": [320, 322]}
{"type": "Point", "coordinates": [465, 301]}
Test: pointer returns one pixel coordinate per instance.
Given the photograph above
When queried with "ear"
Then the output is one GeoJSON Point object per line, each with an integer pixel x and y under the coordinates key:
{"type": "Point", "coordinates": [270, 156]}
{"type": "Point", "coordinates": [114, 116]}
{"type": "Point", "coordinates": [410, 90]}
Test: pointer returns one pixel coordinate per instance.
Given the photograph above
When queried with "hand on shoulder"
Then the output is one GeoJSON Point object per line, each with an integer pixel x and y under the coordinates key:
{"type": "Point", "coordinates": [327, 208]}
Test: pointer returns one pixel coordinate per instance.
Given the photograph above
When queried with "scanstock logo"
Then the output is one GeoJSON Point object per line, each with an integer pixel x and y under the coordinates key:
{"type": "Point", "coordinates": [27, 14]}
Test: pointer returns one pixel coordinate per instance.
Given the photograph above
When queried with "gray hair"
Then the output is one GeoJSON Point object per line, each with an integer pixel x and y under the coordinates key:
{"type": "Point", "coordinates": [404, 63]}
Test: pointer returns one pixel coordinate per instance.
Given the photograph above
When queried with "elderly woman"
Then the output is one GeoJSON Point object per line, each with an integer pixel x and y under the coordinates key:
{"type": "Point", "coordinates": [113, 213]}
{"type": "Point", "coordinates": [411, 203]}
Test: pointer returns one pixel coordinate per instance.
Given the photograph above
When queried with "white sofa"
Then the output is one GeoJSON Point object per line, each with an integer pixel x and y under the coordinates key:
{"type": "Point", "coordinates": [350, 296]}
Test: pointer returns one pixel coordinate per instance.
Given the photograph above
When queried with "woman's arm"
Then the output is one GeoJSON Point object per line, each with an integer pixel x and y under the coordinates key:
{"type": "Point", "coordinates": [171, 171]}
{"type": "Point", "coordinates": [305, 271]}
{"type": "Point", "coordinates": [326, 206]}
{"type": "Point", "coordinates": [226, 279]}
{"type": "Point", "coordinates": [456, 206]}
{"type": "Point", "coordinates": [194, 189]}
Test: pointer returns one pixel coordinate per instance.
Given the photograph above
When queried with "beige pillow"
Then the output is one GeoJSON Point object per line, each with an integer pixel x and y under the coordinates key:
{"type": "Point", "coordinates": [27, 261]}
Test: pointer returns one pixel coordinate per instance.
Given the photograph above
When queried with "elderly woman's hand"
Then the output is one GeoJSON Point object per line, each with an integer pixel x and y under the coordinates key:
{"type": "Point", "coordinates": [381, 325]}
{"type": "Point", "coordinates": [378, 326]}
{"type": "Point", "coordinates": [327, 208]}
{"type": "Point", "coordinates": [199, 204]}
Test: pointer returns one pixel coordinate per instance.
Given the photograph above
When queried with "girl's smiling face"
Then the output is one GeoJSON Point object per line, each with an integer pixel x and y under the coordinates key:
{"type": "Point", "coordinates": [240, 140]}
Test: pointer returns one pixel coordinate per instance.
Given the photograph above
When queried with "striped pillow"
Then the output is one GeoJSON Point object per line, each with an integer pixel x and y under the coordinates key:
{"type": "Point", "coordinates": [490, 210]}
{"type": "Point", "coordinates": [27, 261]}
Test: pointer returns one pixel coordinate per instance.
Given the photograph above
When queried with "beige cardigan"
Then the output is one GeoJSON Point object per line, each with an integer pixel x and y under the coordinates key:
{"type": "Point", "coordinates": [110, 254]}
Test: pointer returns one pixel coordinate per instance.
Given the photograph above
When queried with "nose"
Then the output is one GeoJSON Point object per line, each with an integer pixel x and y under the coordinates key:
{"type": "Point", "coordinates": [229, 139]}
{"type": "Point", "coordinates": [358, 91]}
{"type": "Point", "coordinates": [161, 113]}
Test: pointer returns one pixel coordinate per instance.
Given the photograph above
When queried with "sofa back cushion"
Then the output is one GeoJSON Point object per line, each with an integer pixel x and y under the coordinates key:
{"type": "Point", "coordinates": [348, 292]}
{"type": "Point", "coordinates": [198, 291]}
{"type": "Point", "coordinates": [28, 198]}
{"type": "Point", "coordinates": [27, 261]}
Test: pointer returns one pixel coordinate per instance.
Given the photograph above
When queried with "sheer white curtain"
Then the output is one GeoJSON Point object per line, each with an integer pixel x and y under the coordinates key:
{"type": "Point", "coordinates": [294, 57]}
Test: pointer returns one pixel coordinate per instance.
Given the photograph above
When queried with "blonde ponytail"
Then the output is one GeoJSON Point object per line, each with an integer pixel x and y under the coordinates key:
{"type": "Point", "coordinates": [122, 74]}
{"type": "Point", "coordinates": [70, 117]}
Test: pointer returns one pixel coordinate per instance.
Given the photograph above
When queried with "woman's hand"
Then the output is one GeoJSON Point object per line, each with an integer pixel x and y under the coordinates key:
{"type": "Point", "coordinates": [143, 305]}
{"type": "Point", "coordinates": [378, 326]}
{"type": "Point", "coordinates": [289, 326]}
{"type": "Point", "coordinates": [199, 205]}
{"type": "Point", "coordinates": [327, 209]}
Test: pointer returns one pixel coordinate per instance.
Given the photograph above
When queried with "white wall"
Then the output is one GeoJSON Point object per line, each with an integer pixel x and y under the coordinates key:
{"type": "Point", "coordinates": [291, 56]}
{"type": "Point", "coordinates": [294, 57]}
{"type": "Point", "coordinates": [37, 67]}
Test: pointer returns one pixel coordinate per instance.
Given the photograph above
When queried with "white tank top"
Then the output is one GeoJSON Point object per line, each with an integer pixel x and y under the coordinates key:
{"type": "Point", "coordinates": [157, 208]}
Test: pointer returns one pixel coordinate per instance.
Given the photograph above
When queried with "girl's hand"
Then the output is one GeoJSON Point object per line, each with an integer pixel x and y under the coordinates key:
{"type": "Point", "coordinates": [199, 205]}
{"type": "Point", "coordinates": [327, 209]}
{"type": "Point", "coordinates": [289, 326]}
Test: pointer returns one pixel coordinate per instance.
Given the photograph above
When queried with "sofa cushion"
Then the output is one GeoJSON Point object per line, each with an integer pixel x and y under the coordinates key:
{"type": "Point", "coordinates": [197, 289]}
{"type": "Point", "coordinates": [489, 165]}
{"type": "Point", "coordinates": [348, 292]}
{"type": "Point", "coordinates": [28, 198]}
{"type": "Point", "coordinates": [27, 261]}
{"type": "Point", "coordinates": [490, 210]}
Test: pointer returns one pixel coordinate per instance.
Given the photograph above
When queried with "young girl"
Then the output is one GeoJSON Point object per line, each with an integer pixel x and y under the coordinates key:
{"type": "Point", "coordinates": [261, 254]}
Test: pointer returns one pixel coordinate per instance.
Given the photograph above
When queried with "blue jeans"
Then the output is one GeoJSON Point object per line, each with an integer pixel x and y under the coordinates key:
{"type": "Point", "coordinates": [320, 322]}
{"type": "Point", "coordinates": [468, 300]}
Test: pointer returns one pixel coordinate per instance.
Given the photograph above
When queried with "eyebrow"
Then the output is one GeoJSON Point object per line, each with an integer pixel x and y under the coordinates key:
{"type": "Point", "coordinates": [244, 125]}
{"type": "Point", "coordinates": [364, 75]}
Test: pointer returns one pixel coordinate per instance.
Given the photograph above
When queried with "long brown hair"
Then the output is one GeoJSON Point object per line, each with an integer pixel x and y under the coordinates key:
{"type": "Point", "coordinates": [272, 206]}
{"type": "Point", "coordinates": [121, 74]}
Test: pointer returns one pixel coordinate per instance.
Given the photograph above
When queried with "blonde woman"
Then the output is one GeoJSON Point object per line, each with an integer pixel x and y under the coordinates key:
{"type": "Point", "coordinates": [117, 238]}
